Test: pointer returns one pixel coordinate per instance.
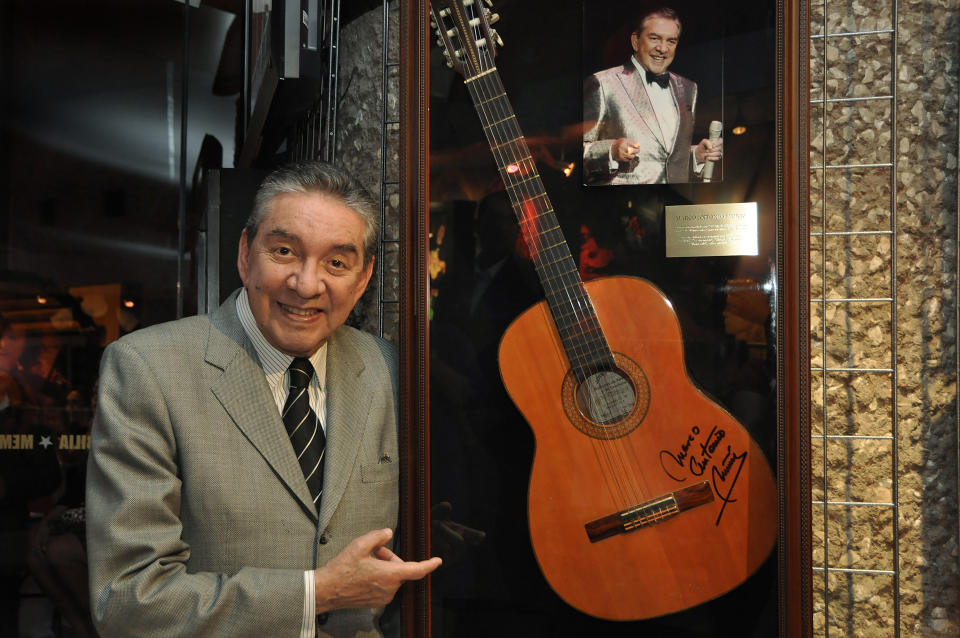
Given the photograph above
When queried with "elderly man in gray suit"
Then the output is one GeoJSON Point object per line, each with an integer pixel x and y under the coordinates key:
{"type": "Point", "coordinates": [219, 503]}
{"type": "Point", "coordinates": [639, 116]}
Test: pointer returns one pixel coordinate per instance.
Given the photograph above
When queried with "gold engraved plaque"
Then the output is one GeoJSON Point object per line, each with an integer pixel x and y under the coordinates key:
{"type": "Point", "coordinates": [711, 230]}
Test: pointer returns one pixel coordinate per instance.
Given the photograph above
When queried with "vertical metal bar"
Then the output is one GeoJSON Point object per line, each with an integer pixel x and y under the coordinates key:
{"type": "Point", "coordinates": [313, 24]}
{"type": "Point", "coordinates": [247, 41]}
{"type": "Point", "coordinates": [956, 322]}
{"type": "Point", "coordinates": [214, 240]}
{"type": "Point", "coordinates": [823, 329]}
{"type": "Point", "coordinates": [381, 251]}
{"type": "Point", "coordinates": [895, 421]}
{"type": "Point", "coordinates": [333, 98]}
{"type": "Point", "coordinates": [182, 207]}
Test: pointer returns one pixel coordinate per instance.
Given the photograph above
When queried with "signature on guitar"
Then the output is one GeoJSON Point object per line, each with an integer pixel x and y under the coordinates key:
{"type": "Point", "coordinates": [696, 456]}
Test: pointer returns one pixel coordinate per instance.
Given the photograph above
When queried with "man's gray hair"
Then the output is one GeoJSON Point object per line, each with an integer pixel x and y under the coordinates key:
{"type": "Point", "coordinates": [318, 177]}
{"type": "Point", "coordinates": [657, 12]}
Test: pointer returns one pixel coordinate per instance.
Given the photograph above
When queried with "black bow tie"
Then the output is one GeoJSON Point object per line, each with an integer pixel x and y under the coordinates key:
{"type": "Point", "coordinates": [663, 79]}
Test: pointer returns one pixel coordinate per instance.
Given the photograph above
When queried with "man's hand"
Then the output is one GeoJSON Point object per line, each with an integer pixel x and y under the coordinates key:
{"type": "Point", "coordinates": [707, 152]}
{"type": "Point", "coordinates": [366, 574]}
{"type": "Point", "coordinates": [624, 150]}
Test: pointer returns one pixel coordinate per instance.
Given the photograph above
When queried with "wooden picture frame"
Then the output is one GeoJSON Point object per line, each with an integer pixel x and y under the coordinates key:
{"type": "Point", "coordinates": [788, 115]}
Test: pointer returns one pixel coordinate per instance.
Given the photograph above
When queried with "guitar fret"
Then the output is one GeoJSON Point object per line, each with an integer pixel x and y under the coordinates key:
{"type": "Point", "coordinates": [566, 316]}
{"type": "Point", "coordinates": [576, 316]}
{"type": "Point", "coordinates": [591, 344]}
{"type": "Point", "coordinates": [551, 230]}
{"type": "Point", "coordinates": [517, 162]}
{"type": "Point", "coordinates": [530, 200]}
{"type": "Point", "coordinates": [566, 293]}
{"type": "Point", "coordinates": [492, 124]}
{"type": "Point", "coordinates": [520, 177]}
{"type": "Point", "coordinates": [590, 338]}
{"type": "Point", "coordinates": [561, 275]}
{"type": "Point", "coordinates": [538, 217]}
{"type": "Point", "coordinates": [595, 360]}
{"type": "Point", "coordinates": [517, 140]}
{"type": "Point", "coordinates": [552, 246]}
{"type": "Point", "coordinates": [549, 255]}
{"type": "Point", "coordinates": [586, 328]}
{"type": "Point", "coordinates": [579, 330]}
{"type": "Point", "coordinates": [561, 258]}
{"type": "Point", "coordinates": [479, 75]}
{"type": "Point", "coordinates": [546, 269]}
{"type": "Point", "coordinates": [489, 100]}
{"type": "Point", "coordinates": [524, 181]}
{"type": "Point", "coordinates": [551, 236]}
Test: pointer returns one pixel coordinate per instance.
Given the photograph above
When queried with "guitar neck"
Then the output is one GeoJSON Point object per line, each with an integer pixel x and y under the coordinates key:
{"type": "Point", "coordinates": [571, 308]}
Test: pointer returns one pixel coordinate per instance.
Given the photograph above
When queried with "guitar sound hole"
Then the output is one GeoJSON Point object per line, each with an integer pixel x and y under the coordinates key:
{"type": "Point", "coordinates": [606, 397]}
{"type": "Point", "coordinates": [608, 404]}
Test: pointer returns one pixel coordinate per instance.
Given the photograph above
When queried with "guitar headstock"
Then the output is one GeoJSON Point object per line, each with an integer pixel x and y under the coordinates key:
{"type": "Point", "coordinates": [463, 31]}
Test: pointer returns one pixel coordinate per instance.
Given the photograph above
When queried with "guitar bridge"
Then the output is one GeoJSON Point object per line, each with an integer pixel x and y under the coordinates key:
{"type": "Point", "coordinates": [649, 513]}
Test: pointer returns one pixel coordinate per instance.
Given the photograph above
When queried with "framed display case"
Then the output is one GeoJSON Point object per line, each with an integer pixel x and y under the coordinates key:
{"type": "Point", "coordinates": [605, 382]}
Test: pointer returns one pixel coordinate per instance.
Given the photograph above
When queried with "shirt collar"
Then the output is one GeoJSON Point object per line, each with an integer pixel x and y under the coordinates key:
{"type": "Point", "coordinates": [272, 360]}
{"type": "Point", "coordinates": [642, 70]}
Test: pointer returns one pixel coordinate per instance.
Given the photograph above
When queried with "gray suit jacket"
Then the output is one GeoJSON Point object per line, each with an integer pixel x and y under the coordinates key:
{"type": "Point", "coordinates": [616, 105]}
{"type": "Point", "coordinates": [199, 522]}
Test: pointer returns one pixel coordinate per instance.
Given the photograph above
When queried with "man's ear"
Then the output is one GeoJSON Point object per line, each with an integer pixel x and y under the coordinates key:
{"type": "Point", "coordinates": [635, 41]}
{"type": "Point", "coordinates": [243, 256]}
{"type": "Point", "coordinates": [364, 279]}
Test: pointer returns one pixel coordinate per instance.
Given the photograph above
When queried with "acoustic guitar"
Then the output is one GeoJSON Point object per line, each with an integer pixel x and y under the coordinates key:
{"type": "Point", "coordinates": [645, 496]}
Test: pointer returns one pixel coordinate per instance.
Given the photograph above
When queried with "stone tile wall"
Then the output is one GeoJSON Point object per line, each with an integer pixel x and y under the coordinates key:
{"type": "Point", "coordinates": [368, 144]}
{"type": "Point", "coordinates": [883, 204]}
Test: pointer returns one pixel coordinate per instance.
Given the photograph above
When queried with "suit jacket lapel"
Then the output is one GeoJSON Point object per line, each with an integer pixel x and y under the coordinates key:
{"type": "Point", "coordinates": [631, 82]}
{"type": "Point", "coordinates": [346, 419]}
{"type": "Point", "coordinates": [243, 392]}
{"type": "Point", "coordinates": [682, 100]}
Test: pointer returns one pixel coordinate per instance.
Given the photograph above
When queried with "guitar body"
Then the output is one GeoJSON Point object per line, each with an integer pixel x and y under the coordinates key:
{"type": "Point", "coordinates": [675, 437]}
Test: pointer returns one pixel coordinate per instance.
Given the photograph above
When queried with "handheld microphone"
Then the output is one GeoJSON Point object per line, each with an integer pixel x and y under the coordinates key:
{"type": "Point", "coordinates": [716, 128]}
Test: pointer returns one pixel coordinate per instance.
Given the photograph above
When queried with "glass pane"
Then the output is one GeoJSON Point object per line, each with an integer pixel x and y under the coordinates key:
{"type": "Point", "coordinates": [574, 429]}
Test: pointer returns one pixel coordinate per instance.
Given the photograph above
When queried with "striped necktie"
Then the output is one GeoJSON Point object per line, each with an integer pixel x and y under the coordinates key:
{"type": "Point", "coordinates": [303, 427]}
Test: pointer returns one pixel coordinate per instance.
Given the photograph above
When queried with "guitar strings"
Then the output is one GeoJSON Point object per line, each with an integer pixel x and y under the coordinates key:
{"type": "Point", "coordinates": [491, 101]}
{"type": "Point", "coordinates": [612, 454]}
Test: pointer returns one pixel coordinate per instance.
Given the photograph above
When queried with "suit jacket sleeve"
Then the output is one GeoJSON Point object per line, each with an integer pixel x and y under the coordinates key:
{"type": "Point", "coordinates": [596, 151]}
{"type": "Point", "coordinates": [140, 584]}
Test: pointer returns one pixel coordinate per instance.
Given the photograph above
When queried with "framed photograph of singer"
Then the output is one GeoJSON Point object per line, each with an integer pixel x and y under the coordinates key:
{"type": "Point", "coordinates": [653, 92]}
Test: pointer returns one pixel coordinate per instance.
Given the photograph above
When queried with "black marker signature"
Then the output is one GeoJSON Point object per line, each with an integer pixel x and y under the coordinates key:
{"type": "Point", "coordinates": [696, 459]}
{"type": "Point", "coordinates": [680, 457]}
{"type": "Point", "coordinates": [697, 464]}
{"type": "Point", "coordinates": [727, 474]}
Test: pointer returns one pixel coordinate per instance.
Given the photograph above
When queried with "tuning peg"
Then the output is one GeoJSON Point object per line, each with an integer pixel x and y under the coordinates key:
{"type": "Point", "coordinates": [492, 18]}
{"type": "Point", "coordinates": [496, 37]}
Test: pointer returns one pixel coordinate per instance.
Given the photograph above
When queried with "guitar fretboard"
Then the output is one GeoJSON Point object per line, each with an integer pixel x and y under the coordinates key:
{"type": "Point", "coordinates": [573, 313]}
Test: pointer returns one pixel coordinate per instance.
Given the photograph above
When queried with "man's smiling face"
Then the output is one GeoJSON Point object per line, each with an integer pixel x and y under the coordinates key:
{"type": "Point", "coordinates": [304, 270]}
{"type": "Point", "coordinates": [656, 45]}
